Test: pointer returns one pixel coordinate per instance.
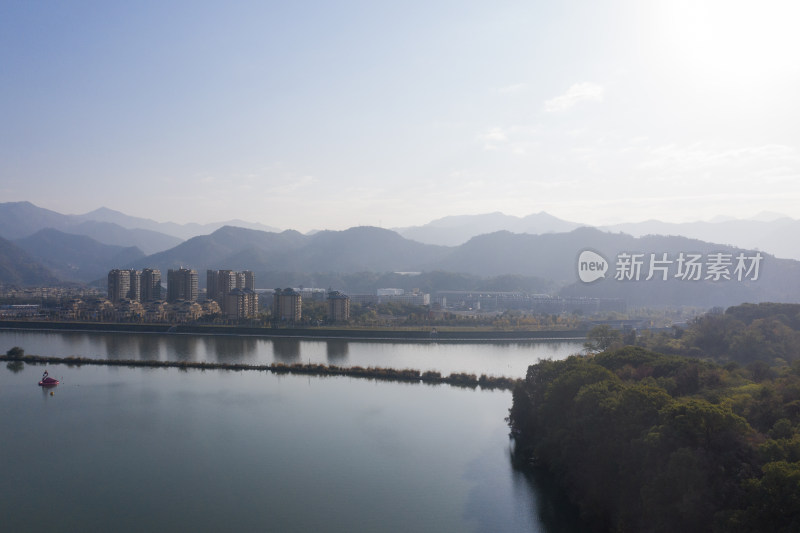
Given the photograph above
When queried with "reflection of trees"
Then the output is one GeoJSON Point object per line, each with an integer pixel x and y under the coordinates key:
{"type": "Point", "coordinates": [15, 366]}
{"type": "Point", "coordinates": [286, 350]}
{"type": "Point", "coordinates": [337, 351]}
{"type": "Point", "coordinates": [554, 510]}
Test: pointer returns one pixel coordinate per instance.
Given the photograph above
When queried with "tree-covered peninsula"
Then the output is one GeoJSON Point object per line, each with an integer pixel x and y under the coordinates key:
{"type": "Point", "coordinates": [652, 442]}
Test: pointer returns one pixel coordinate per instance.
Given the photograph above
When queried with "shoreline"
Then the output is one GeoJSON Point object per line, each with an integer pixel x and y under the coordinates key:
{"type": "Point", "coordinates": [310, 333]}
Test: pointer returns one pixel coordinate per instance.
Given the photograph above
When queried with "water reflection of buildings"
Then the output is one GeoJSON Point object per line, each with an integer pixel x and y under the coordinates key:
{"type": "Point", "coordinates": [149, 347]}
{"type": "Point", "coordinates": [337, 351]}
{"type": "Point", "coordinates": [118, 346]}
{"type": "Point", "coordinates": [286, 350]}
{"type": "Point", "coordinates": [185, 347]}
{"type": "Point", "coordinates": [229, 349]}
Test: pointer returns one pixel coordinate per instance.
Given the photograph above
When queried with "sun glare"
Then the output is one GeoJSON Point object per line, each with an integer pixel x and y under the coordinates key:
{"type": "Point", "coordinates": [730, 41]}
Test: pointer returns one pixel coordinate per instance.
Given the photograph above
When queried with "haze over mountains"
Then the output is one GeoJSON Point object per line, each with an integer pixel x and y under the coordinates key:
{"type": "Point", "coordinates": [456, 230]}
{"type": "Point", "coordinates": [23, 219]}
{"type": "Point", "coordinates": [541, 249]}
{"type": "Point", "coordinates": [18, 268]}
{"type": "Point", "coordinates": [775, 235]}
{"type": "Point", "coordinates": [771, 232]}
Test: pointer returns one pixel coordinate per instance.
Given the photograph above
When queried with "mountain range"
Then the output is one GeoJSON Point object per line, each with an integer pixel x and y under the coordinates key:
{"type": "Point", "coordinates": [456, 230]}
{"type": "Point", "coordinates": [18, 268]}
{"type": "Point", "coordinates": [22, 219]}
{"type": "Point", "coordinates": [769, 232]}
{"type": "Point", "coordinates": [326, 256]}
{"type": "Point", "coordinates": [76, 258]}
{"type": "Point", "coordinates": [777, 236]}
{"type": "Point", "coordinates": [40, 246]}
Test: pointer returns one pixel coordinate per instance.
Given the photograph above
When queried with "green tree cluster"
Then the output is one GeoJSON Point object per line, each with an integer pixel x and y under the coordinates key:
{"type": "Point", "coordinates": [746, 334]}
{"type": "Point", "coordinates": [643, 441]}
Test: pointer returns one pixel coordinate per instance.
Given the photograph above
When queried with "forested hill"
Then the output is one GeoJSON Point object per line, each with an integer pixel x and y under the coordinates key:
{"type": "Point", "coordinates": [76, 257]}
{"type": "Point", "coordinates": [644, 441]}
{"type": "Point", "coordinates": [17, 267]}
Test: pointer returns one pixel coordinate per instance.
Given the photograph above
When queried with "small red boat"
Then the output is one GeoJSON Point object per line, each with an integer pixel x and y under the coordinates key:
{"type": "Point", "coordinates": [47, 381]}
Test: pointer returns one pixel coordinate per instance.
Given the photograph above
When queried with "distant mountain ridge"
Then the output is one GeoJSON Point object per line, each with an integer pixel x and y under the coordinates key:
{"type": "Point", "coordinates": [76, 258]}
{"type": "Point", "coordinates": [549, 257]}
{"type": "Point", "coordinates": [18, 268]}
{"type": "Point", "coordinates": [777, 236]}
{"type": "Point", "coordinates": [181, 231]}
{"type": "Point", "coordinates": [359, 249]}
{"type": "Point", "coordinates": [23, 219]}
{"type": "Point", "coordinates": [327, 257]}
{"type": "Point", "coordinates": [770, 232]}
{"type": "Point", "coordinates": [331, 256]}
{"type": "Point", "coordinates": [456, 230]}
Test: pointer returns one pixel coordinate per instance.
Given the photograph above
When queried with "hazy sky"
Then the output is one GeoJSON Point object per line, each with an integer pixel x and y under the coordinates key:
{"type": "Point", "coordinates": [331, 114]}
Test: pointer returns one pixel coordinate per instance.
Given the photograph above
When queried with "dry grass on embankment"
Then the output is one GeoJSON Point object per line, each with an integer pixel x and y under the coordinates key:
{"type": "Point", "coordinates": [383, 374]}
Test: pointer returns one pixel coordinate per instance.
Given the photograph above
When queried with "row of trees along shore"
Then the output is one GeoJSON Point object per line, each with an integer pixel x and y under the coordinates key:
{"type": "Point", "coordinates": [693, 430]}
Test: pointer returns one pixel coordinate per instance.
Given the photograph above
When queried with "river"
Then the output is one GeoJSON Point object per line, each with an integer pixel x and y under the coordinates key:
{"type": "Point", "coordinates": [133, 449]}
{"type": "Point", "coordinates": [509, 359]}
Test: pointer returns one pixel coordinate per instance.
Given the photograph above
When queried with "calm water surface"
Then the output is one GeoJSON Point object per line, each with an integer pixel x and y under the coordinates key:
{"type": "Point", "coordinates": [124, 449]}
{"type": "Point", "coordinates": [498, 359]}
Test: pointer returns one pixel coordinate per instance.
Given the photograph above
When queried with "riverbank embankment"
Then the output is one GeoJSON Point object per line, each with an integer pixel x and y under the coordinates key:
{"type": "Point", "coordinates": [382, 374]}
{"type": "Point", "coordinates": [321, 333]}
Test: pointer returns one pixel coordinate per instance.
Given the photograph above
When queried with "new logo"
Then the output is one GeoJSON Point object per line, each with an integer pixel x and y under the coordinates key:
{"type": "Point", "coordinates": [591, 266]}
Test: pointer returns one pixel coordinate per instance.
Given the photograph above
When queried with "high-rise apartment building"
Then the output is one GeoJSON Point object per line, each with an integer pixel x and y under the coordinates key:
{"type": "Point", "coordinates": [219, 283]}
{"type": "Point", "coordinates": [222, 283]}
{"type": "Point", "coordinates": [182, 285]}
{"type": "Point", "coordinates": [134, 285]}
{"type": "Point", "coordinates": [240, 303]}
{"type": "Point", "coordinates": [338, 307]}
{"type": "Point", "coordinates": [134, 291]}
{"type": "Point", "coordinates": [150, 285]}
{"type": "Point", "coordinates": [246, 280]}
{"type": "Point", "coordinates": [287, 305]}
{"type": "Point", "coordinates": [119, 284]}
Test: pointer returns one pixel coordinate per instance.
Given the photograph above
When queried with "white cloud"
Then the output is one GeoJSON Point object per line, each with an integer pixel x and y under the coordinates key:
{"type": "Point", "coordinates": [579, 92]}
{"type": "Point", "coordinates": [494, 138]}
